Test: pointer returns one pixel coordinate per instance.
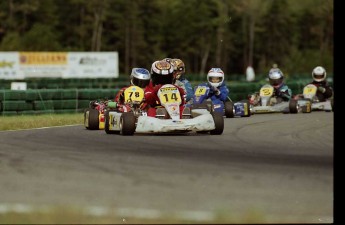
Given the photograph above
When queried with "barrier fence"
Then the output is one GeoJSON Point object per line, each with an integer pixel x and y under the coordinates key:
{"type": "Point", "coordinates": [37, 101]}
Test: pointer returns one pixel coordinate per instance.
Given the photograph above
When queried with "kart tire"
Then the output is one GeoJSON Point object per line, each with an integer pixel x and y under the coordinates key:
{"type": "Point", "coordinates": [127, 123]}
{"type": "Point", "coordinates": [248, 108]}
{"type": "Point", "coordinates": [107, 122]}
{"type": "Point", "coordinates": [307, 107]}
{"type": "Point", "coordinates": [93, 119]}
{"type": "Point", "coordinates": [229, 109]}
{"type": "Point", "coordinates": [293, 106]}
{"type": "Point", "coordinates": [219, 123]}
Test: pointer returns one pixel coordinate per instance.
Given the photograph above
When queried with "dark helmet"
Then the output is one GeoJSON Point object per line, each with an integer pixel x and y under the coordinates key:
{"type": "Point", "coordinates": [140, 77]}
{"type": "Point", "coordinates": [162, 72]}
{"type": "Point", "coordinates": [179, 67]}
{"type": "Point", "coordinates": [275, 77]}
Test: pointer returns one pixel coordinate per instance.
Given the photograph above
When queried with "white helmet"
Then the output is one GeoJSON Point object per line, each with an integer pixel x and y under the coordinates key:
{"type": "Point", "coordinates": [218, 73]}
{"type": "Point", "coordinates": [319, 74]}
{"type": "Point", "coordinates": [140, 77]}
{"type": "Point", "coordinates": [275, 77]}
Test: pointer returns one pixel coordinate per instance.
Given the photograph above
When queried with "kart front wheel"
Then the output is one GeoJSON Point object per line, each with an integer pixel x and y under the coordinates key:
{"type": "Point", "coordinates": [293, 106]}
{"type": "Point", "coordinates": [91, 119]}
{"type": "Point", "coordinates": [127, 123]}
{"type": "Point", "coordinates": [229, 109]}
{"type": "Point", "coordinates": [218, 122]}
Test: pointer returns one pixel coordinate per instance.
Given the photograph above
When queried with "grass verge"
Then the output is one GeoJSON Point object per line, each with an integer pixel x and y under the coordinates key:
{"type": "Point", "coordinates": [37, 121]}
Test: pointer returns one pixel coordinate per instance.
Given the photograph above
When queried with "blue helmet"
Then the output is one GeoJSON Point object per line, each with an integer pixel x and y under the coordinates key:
{"type": "Point", "coordinates": [140, 77]}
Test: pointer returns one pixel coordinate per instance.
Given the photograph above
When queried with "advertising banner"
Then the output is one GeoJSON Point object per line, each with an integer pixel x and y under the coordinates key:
{"type": "Point", "coordinates": [9, 66]}
{"type": "Point", "coordinates": [92, 65]}
{"type": "Point", "coordinates": [21, 65]}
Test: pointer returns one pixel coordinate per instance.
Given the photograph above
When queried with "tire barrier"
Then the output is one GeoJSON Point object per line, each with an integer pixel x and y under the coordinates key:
{"type": "Point", "coordinates": [36, 101]}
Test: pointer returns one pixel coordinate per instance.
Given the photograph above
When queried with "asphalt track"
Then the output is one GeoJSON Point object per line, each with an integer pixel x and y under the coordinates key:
{"type": "Point", "coordinates": [279, 166]}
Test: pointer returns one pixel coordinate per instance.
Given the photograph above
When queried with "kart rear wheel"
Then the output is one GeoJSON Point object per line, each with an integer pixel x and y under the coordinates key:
{"type": "Point", "coordinates": [293, 106]}
{"type": "Point", "coordinates": [229, 109]}
{"type": "Point", "coordinates": [247, 104]}
{"type": "Point", "coordinates": [93, 119]}
{"type": "Point", "coordinates": [127, 123]}
{"type": "Point", "coordinates": [218, 122]}
{"type": "Point", "coordinates": [107, 123]}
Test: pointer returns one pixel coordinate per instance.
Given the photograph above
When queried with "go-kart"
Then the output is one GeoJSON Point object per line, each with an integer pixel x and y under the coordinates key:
{"type": "Point", "coordinates": [227, 108]}
{"type": "Point", "coordinates": [168, 117]}
{"type": "Point", "coordinates": [120, 117]}
{"type": "Point", "coordinates": [265, 102]}
{"type": "Point", "coordinates": [310, 101]}
{"type": "Point", "coordinates": [94, 115]}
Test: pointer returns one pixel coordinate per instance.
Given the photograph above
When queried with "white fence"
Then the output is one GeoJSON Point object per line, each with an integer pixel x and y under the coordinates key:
{"type": "Point", "coordinates": [21, 65]}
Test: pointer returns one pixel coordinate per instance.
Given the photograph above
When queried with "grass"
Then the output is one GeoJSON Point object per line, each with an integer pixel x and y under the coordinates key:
{"type": "Point", "coordinates": [71, 215]}
{"type": "Point", "coordinates": [37, 121]}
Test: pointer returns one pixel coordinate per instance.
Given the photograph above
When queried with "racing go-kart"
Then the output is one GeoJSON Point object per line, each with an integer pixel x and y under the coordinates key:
{"type": "Point", "coordinates": [265, 102]}
{"type": "Point", "coordinates": [168, 117]}
{"type": "Point", "coordinates": [310, 101]}
{"type": "Point", "coordinates": [227, 108]}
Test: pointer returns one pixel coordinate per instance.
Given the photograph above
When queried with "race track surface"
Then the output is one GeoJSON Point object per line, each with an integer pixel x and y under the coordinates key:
{"type": "Point", "coordinates": [279, 166]}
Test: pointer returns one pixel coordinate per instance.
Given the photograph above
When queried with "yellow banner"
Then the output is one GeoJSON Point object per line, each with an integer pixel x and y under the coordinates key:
{"type": "Point", "coordinates": [43, 58]}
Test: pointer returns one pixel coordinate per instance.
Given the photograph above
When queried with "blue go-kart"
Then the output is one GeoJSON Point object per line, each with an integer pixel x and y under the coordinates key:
{"type": "Point", "coordinates": [226, 108]}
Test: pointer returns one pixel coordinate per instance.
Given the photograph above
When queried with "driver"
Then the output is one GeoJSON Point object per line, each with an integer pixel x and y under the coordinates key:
{"type": "Point", "coordinates": [162, 72]}
{"type": "Point", "coordinates": [180, 78]}
{"type": "Point", "coordinates": [218, 89]}
{"type": "Point", "coordinates": [324, 91]}
{"type": "Point", "coordinates": [139, 77]}
{"type": "Point", "coordinates": [281, 90]}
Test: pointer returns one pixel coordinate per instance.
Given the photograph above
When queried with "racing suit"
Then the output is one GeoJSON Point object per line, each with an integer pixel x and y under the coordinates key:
{"type": "Point", "coordinates": [120, 100]}
{"type": "Point", "coordinates": [217, 95]}
{"type": "Point", "coordinates": [187, 87]}
{"type": "Point", "coordinates": [152, 99]}
{"type": "Point", "coordinates": [324, 91]}
{"type": "Point", "coordinates": [282, 91]}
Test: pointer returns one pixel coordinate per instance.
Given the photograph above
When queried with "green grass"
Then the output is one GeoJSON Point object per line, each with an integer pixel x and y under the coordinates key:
{"type": "Point", "coordinates": [37, 121]}
{"type": "Point", "coordinates": [71, 215]}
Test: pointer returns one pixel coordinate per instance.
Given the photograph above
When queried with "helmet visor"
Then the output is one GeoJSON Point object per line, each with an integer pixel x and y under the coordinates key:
{"type": "Point", "coordinates": [140, 83]}
{"type": "Point", "coordinates": [275, 82]}
{"type": "Point", "coordinates": [215, 79]}
{"type": "Point", "coordinates": [319, 77]}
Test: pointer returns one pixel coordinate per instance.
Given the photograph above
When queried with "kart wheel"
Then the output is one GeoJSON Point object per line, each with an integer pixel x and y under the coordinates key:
{"type": "Point", "coordinates": [86, 118]}
{"type": "Point", "coordinates": [93, 119]}
{"type": "Point", "coordinates": [107, 123]}
{"type": "Point", "coordinates": [127, 123]}
{"type": "Point", "coordinates": [229, 109]}
{"type": "Point", "coordinates": [293, 106]}
{"type": "Point", "coordinates": [249, 110]}
{"type": "Point", "coordinates": [307, 107]}
{"type": "Point", "coordinates": [219, 123]}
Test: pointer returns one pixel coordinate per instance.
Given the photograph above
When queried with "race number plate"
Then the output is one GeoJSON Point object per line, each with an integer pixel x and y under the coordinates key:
{"type": "Point", "coordinates": [134, 94]}
{"type": "Point", "coordinates": [200, 90]}
{"type": "Point", "coordinates": [168, 94]}
{"type": "Point", "coordinates": [266, 91]}
{"type": "Point", "coordinates": [309, 90]}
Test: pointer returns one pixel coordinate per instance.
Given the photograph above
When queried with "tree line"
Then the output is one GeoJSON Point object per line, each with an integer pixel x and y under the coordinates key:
{"type": "Point", "coordinates": [230, 34]}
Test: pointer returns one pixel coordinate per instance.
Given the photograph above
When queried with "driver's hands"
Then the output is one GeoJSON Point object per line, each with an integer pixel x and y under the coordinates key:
{"type": "Point", "coordinates": [321, 89]}
{"type": "Point", "coordinates": [216, 90]}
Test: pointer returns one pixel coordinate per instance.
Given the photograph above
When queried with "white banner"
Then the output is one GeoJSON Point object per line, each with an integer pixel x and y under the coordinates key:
{"type": "Point", "coordinates": [92, 65]}
{"type": "Point", "coordinates": [9, 66]}
{"type": "Point", "coordinates": [21, 65]}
